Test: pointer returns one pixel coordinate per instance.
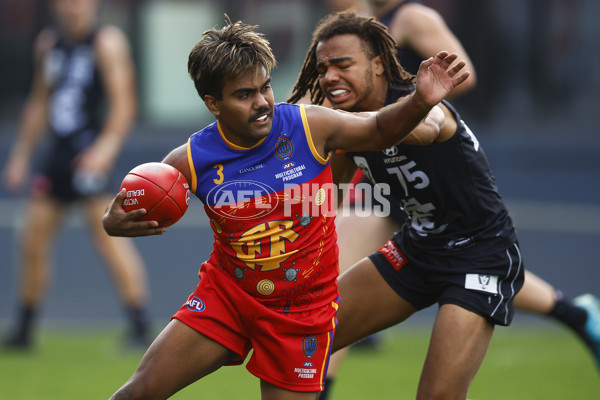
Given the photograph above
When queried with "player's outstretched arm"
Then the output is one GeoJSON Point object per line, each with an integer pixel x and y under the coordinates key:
{"type": "Point", "coordinates": [117, 222]}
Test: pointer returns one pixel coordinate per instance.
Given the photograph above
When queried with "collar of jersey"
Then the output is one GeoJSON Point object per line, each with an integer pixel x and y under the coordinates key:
{"type": "Point", "coordinates": [235, 146]}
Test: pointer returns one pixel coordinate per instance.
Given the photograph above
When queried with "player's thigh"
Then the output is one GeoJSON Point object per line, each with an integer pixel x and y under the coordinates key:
{"type": "Point", "coordinates": [178, 357]}
{"type": "Point", "coordinates": [459, 341]}
{"type": "Point", "coordinates": [368, 304]}
{"type": "Point", "coordinates": [358, 236]}
{"type": "Point", "coordinates": [269, 391]}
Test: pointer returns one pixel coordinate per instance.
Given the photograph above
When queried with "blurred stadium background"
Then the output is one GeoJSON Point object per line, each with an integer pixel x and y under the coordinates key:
{"type": "Point", "coordinates": [535, 112]}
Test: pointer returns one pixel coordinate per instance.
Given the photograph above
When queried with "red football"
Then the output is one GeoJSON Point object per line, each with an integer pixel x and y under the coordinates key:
{"type": "Point", "coordinates": [159, 188]}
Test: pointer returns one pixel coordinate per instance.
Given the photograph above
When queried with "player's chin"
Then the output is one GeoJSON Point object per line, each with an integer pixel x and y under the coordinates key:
{"type": "Point", "coordinates": [340, 103]}
{"type": "Point", "coordinates": [261, 129]}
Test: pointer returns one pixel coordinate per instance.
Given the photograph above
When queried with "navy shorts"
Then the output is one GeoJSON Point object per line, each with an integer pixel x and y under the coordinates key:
{"type": "Point", "coordinates": [484, 283]}
{"type": "Point", "coordinates": [58, 179]}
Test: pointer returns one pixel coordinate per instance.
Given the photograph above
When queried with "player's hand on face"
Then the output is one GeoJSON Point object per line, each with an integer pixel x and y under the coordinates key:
{"type": "Point", "coordinates": [437, 76]}
{"type": "Point", "coordinates": [118, 222]}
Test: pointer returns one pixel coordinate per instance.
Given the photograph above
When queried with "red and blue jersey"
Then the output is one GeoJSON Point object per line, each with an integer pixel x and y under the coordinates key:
{"type": "Point", "coordinates": [272, 211]}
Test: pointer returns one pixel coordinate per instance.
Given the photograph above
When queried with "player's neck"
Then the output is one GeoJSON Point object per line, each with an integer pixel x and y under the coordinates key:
{"type": "Point", "coordinates": [375, 101]}
{"type": "Point", "coordinates": [79, 31]}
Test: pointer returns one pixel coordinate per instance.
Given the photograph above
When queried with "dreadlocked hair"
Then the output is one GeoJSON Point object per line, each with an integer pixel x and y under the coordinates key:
{"type": "Point", "coordinates": [226, 54]}
{"type": "Point", "coordinates": [376, 42]}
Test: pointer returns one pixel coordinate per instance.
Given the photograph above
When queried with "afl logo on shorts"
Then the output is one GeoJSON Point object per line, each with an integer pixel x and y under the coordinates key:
{"type": "Point", "coordinates": [195, 304]}
{"type": "Point", "coordinates": [309, 346]}
{"type": "Point", "coordinates": [283, 148]}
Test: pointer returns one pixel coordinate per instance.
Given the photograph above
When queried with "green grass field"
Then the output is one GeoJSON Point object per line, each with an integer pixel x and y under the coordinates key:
{"type": "Point", "coordinates": [522, 363]}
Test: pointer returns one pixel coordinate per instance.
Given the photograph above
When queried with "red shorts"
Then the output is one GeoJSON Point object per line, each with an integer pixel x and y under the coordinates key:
{"type": "Point", "coordinates": [291, 350]}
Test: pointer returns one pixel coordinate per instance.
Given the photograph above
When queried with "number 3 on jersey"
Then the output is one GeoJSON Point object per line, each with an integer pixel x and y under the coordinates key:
{"type": "Point", "coordinates": [220, 177]}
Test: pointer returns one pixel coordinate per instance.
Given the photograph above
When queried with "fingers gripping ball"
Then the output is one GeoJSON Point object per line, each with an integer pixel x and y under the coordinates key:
{"type": "Point", "coordinates": [159, 188]}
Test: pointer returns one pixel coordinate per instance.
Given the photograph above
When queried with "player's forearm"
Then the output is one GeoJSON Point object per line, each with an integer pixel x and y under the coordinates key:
{"type": "Point", "coordinates": [116, 130]}
{"type": "Point", "coordinates": [429, 129]}
{"type": "Point", "coordinates": [398, 120]}
{"type": "Point", "coordinates": [32, 125]}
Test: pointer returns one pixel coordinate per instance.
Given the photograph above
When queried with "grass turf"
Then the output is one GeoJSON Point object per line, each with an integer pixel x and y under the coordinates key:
{"type": "Point", "coordinates": [522, 363]}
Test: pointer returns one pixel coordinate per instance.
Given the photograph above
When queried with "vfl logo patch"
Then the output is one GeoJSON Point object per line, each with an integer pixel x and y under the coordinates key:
{"type": "Point", "coordinates": [482, 282]}
{"type": "Point", "coordinates": [283, 148]}
{"type": "Point", "coordinates": [195, 304]}
{"type": "Point", "coordinates": [393, 255]}
{"type": "Point", "coordinates": [309, 346]}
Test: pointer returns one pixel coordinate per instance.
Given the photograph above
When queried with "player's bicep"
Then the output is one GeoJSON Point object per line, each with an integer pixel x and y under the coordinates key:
{"type": "Point", "coordinates": [116, 67]}
{"type": "Point", "coordinates": [41, 87]}
{"type": "Point", "coordinates": [178, 158]}
{"type": "Point", "coordinates": [340, 130]}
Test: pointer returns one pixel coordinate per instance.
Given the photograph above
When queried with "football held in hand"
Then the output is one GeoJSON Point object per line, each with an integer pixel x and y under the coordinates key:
{"type": "Point", "coordinates": [159, 188]}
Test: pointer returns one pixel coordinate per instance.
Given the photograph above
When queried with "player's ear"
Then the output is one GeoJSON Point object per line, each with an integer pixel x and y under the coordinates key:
{"type": "Point", "coordinates": [212, 105]}
{"type": "Point", "coordinates": [378, 67]}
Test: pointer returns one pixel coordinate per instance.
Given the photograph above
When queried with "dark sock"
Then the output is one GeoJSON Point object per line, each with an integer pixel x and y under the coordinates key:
{"type": "Point", "coordinates": [139, 321]}
{"type": "Point", "coordinates": [570, 315]}
{"type": "Point", "coordinates": [21, 335]}
{"type": "Point", "coordinates": [326, 387]}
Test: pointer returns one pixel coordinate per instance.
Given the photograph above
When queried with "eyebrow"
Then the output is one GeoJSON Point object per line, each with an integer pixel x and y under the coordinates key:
{"type": "Point", "coordinates": [336, 60]}
{"type": "Point", "coordinates": [251, 89]}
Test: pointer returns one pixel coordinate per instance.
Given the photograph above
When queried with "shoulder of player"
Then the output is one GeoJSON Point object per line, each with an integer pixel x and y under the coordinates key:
{"type": "Point", "coordinates": [330, 129]}
{"type": "Point", "coordinates": [178, 158]}
{"type": "Point", "coordinates": [45, 41]}
{"type": "Point", "coordinates": [321, 117]}
{"type": "Point", "coordinates": [110, 40]}
{"type": "Point", "coordinates": [412, 19]}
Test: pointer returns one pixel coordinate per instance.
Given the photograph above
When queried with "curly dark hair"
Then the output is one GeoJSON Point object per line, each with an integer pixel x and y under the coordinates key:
{"type": "Point", "coordinates": [227, 53]}
{"type": "Point", "coordinates": [376, 42]}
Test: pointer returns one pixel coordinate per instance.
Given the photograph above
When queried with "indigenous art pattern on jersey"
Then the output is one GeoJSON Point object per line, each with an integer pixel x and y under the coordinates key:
{"type": "Point", "coordinates": [271, 208]}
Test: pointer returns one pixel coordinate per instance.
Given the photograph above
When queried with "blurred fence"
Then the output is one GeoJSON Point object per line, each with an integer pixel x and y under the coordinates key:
{"type": "Point", "coordinates": [536, 59]}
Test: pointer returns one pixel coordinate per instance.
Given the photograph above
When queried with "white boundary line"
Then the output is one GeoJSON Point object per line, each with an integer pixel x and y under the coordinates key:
{"type": "Point", "coordinates": [527, 214]}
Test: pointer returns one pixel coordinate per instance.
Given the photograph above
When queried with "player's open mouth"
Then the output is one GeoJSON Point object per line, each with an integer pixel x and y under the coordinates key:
{"type": "Point", "coordinates": [261, 119]}
{"type": "Point", "coordinates": [338, 94]}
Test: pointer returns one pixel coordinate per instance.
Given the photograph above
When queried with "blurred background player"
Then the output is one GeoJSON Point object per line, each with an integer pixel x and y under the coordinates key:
{"type": "Point", "coordinates": [77, 66]}
{"type": "Point", "coordinates": [419, 32]}
{"type": "Point", "coordinates": [537, 295]}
